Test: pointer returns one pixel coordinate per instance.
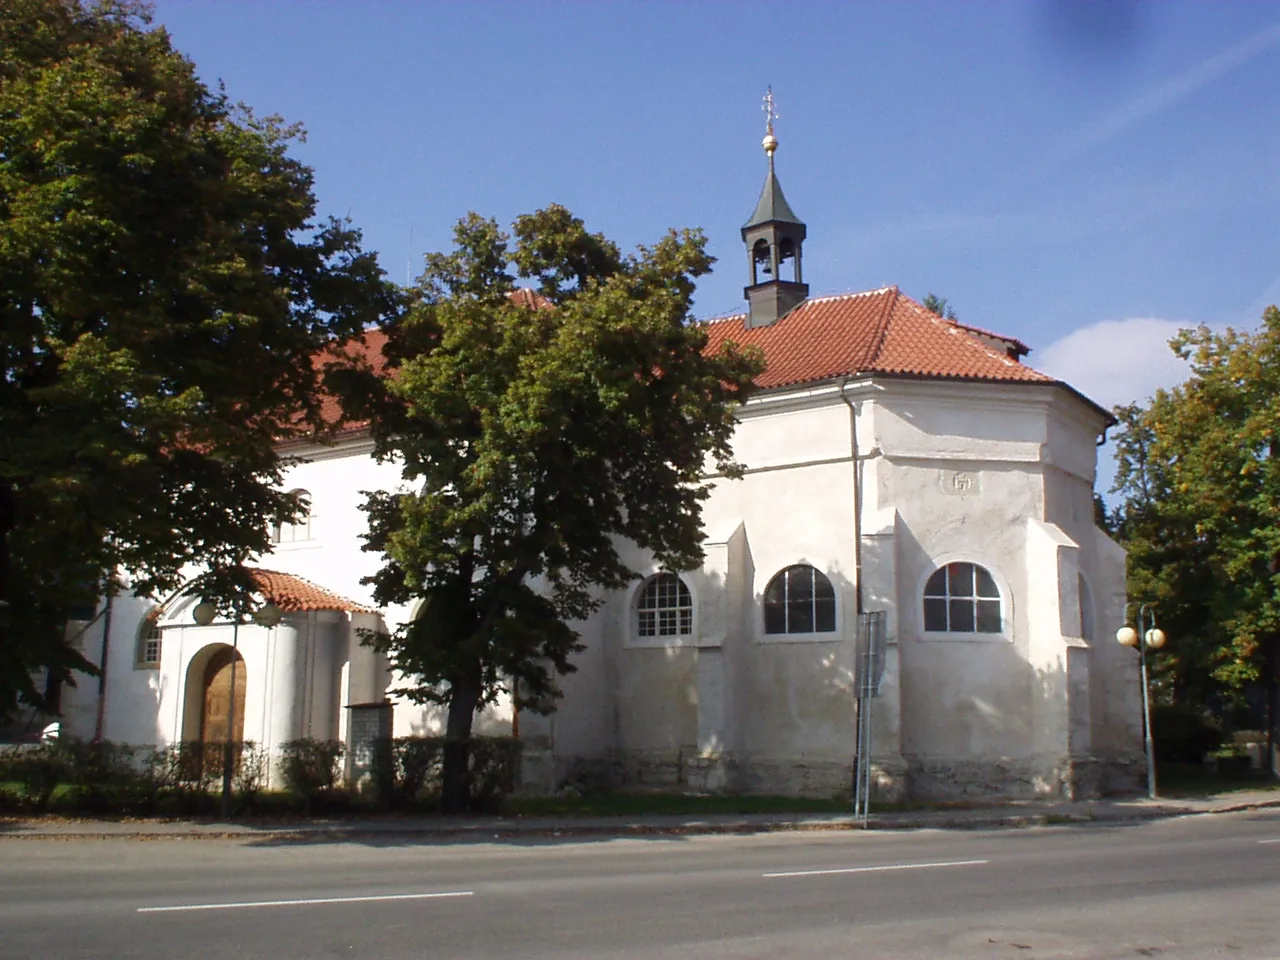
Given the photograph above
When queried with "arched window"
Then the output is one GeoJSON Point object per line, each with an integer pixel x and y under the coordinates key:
{"type": "Point", "coordinates": [800, 599]}
{"type": "Point", "coordinates": [664, 607]}
{"type": "Point", "coordinates": [962, 598]}
{"type": "Point", "coordinates": [301, 528]}
{"type": "Point", "coordinates": [761, 260]}
{"type": "Point", "coordinates": [148, 649]}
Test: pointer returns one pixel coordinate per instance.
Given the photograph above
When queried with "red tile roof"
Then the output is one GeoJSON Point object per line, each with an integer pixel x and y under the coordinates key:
{"type": "Point", "coordinates": [368, 346]}
{"type": "Point", "coordinates": [880, 331]}
{"type": "Point", "coordinates": [525, 297]}
{"type": "Point", "coordinates": [294, 594]}
{"type": "Point", "coordinates": [876, 332]}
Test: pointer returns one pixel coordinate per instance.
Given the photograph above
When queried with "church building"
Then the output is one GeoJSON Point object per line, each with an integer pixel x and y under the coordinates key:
{"type": "Point", "coordinates": [897, 463]}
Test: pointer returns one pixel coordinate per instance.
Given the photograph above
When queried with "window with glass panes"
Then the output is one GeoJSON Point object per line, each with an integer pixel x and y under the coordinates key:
{"type": "Point", "coordinates": [299, 530]}
{"type": "Point", "coordinates": [664, 608]}
{"type": "Point", "coordinates": [148, 652]}
{"type": "Point", "coordinates": [962, 598]}
{"type": "Point", "coordinates": [800, 599]}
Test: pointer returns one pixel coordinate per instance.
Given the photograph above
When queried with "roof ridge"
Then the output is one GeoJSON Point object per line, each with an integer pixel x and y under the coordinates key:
{"type": "Point", "coordinates": [721, 318]}
{"type": "Point", "coordinates": [883, 333]}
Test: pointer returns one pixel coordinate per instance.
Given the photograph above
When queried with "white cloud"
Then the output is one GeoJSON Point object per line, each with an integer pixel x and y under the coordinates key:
{"type": "Point", "coordinates": [1113, 362]}
{"type": "Point", "coordinates": [1116, 361]}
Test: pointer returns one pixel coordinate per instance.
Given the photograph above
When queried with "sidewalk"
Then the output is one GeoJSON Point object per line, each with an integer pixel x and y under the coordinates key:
{"type": "Point", "coordinates": [429, 829]}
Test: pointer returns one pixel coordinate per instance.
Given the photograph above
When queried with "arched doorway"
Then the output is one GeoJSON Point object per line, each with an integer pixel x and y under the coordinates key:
{"type": "Point", "coordinates": [222, 712]}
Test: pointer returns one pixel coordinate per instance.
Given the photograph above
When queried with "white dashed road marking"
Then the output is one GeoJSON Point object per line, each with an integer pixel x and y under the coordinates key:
{"type": "Point", "coordinates": [299, 903]}
{"type": "Point", "coordinates": [877, 869]}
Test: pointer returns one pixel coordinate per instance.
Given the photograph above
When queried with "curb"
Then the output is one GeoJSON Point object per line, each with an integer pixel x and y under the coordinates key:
{"type": "Point", "coordinates": [533, 830]}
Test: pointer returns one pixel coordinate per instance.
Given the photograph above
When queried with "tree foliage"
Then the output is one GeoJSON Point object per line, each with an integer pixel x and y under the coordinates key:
{"type": "Point", "coordinates": [939, 305]}
{"type": "Point", "coordinates": [163, 290]}
{"type": "Point", "coordinates": [535, 434]}
{"type": "Point", "coordinates": [1200, 479]}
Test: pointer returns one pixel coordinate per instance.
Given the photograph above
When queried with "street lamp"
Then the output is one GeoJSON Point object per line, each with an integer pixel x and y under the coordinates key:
{"type": "Point", "coordinates": [1153, 637]}
{"type": "Point", "coordinates": [267, 615]}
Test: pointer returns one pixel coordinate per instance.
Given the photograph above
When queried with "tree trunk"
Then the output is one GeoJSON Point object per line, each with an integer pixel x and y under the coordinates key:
{"type": "Point", "coordinates": [455, 787]}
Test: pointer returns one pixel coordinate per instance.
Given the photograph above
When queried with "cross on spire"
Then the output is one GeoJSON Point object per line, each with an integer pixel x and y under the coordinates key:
{"type": "Point", "coordinates": [770, 111]}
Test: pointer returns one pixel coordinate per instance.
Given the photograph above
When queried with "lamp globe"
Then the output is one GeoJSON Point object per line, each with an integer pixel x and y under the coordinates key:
{"type": "Point", "coordinates": [267, 615]}
{"type": "Point", "coordinates": [1126, 636]}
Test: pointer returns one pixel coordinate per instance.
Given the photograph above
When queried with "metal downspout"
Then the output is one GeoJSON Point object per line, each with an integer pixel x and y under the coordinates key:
{"type": "Point", "coordinates": [101, 720]}
{"type": "Point", "coordinates": [857, 495]}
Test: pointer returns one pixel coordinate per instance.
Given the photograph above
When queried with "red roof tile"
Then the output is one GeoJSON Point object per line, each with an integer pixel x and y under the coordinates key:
{"type": "Point", "coordinates": [294, 594]}
{"type": "Point", "coordinates": [368, 346]}
{"type": "Point", "coordinates": [880, 331]}
{"type": "Point", "coordinates": [525, 297]}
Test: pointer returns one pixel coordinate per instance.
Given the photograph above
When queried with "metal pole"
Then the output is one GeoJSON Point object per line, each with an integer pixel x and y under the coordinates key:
{"type": "Point", "coordinates": [866, 727]}
{"type": "Point", "coordinates": [1148, 740]}
{"type": "Point", "coordinates": [228, 747]}
{"type": "Point", "coordinates": [864, 715]}
{"type": "Point", "coordinates": [862, 768]}
{"type": "Point", "coordinates": [100, 720]}
{"type": "Point", "coordinates": [861, 751]}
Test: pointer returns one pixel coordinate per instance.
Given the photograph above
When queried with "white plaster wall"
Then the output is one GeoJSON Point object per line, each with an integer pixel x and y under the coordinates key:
{"type": "Point", "coordinates": [798, 688]}
{"type": "Point", "coordinates": [951, 472]}
{"type": "Point", "coordinates": [333, 558]}
{"type": "Point", "coordinates": [132, 692]}
{"type": "Point", "coordinates": [962, 695]}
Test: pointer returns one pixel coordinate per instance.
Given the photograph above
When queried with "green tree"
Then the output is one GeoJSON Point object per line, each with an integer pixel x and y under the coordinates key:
{"type": "Point", "coordinates": [1200, 478]}
{"type": "Point", "coordinates": [535, 434]}
{"type": "Point", "coordinates": [163, 292]}
{"type": "Point", "coordinates": [938, 305]}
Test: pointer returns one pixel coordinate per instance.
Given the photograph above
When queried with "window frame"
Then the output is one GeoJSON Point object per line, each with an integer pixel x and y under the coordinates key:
{"type": "Point", "coordinates": [305, 526]}
{"type": "Point", "coordinates": [636, 639]}
{"type": "Point", "coordinates": [150, 622]}
{"type": "Point", "coordinates": [794, 636]}
{"type": "Point", "coordinates": [1005, 634]}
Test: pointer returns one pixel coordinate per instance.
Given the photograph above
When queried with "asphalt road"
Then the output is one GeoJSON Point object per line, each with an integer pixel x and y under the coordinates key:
{"type": "Point", "coordinates": [1193, 887]}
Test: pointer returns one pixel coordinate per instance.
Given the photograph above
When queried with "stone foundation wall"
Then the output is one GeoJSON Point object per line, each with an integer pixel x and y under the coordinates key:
{"type": "Point", "coordinates": [1074, 778]}
{"type": "Point", "coordinates": [684, 769]}
{"type": "Point", "coordinates": [1122, 776]}
{"type": "Point", "coordinates": [892, 779]}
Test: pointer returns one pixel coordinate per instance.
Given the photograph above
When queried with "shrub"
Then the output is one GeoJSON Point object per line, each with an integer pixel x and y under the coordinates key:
{"type": "Point", "coordinates": [187, 773]}
{"type": "Point", "coordinates": [250, 773]}
{"type": "Point", "coordinates": [107, 777]}
{"type": "Point", "coordinates": [37, 769]}
{"type": "Point", "coordinates": [310, 767]}
{"type": "Point", "coordinates": [408, 770]}
{"type": "Point", "coordinates": [495, 770]}
{"type": "Point", "coordinates": [416, 765]}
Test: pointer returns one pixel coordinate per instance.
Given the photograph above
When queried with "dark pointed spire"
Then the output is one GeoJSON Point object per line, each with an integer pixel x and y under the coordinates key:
{"type": "Point", "coordinates": [774, 236]}
{"type": "Point", "coordinates": [773, 204]}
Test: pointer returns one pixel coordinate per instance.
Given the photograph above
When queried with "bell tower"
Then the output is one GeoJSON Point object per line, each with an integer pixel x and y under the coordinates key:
{"type": "Point", "coordinates": [774, 236]}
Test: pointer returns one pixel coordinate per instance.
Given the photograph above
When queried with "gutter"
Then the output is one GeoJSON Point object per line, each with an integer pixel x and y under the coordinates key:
{"type": "Point", "coordinates": [857, 494]}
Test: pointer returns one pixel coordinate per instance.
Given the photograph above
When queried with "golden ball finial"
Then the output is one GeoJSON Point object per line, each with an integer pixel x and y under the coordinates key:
{"type": "Point", "coordinates": [770, 143]}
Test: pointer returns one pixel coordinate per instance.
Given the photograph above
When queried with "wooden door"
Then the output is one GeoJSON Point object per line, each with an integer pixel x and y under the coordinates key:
{"type": "Point", "coordinates": [217, 721]}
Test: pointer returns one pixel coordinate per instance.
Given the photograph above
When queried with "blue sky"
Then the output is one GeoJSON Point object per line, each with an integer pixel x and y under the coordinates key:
{"type": "Point", "coordinates": [1086, 177]}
